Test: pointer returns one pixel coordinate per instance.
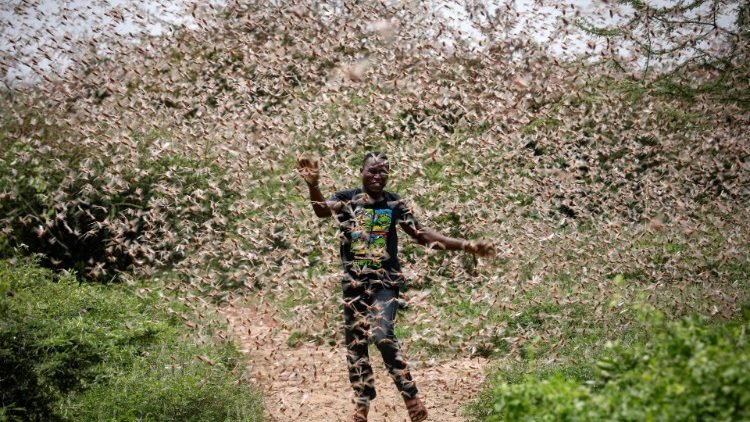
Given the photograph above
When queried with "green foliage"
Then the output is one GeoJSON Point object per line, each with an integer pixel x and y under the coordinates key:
{"type": "Point", "coordinates": [691, 369]}
{"type": "Point", "coordinates": [72, 351]}
{"type": "Point", "coordinates": [102, 213]}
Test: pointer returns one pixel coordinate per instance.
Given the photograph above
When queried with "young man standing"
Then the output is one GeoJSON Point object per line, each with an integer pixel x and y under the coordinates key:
{"type": "Point", "coordinates": [368, 217]}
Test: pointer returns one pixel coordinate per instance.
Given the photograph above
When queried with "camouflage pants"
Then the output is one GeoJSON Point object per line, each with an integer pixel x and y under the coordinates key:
{"type": "Point", "coordinates": [369, 313]}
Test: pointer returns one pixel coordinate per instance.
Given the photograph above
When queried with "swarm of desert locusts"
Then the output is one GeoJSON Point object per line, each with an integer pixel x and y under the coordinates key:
{"type": "Point", "coordinates": [175, 158]}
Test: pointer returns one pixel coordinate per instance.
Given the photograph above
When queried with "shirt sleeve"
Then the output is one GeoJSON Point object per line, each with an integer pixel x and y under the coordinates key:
{"type": "Point", "coordinates": [342, 196]}
{"type": "Point", "coordinates": [405, 214]}
{"type": "Point", "coordinates": [343, 200]}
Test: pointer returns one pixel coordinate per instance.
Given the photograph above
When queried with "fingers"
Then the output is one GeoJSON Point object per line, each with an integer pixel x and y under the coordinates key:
{"type": "Point", "coordinates": [487, 248]}
{"type": "Point", "coordinates": [308, 169]}
{"type": "Point", "coordinates": [482, 248]}
{"type": "Point", "coordinates": [306, 163]}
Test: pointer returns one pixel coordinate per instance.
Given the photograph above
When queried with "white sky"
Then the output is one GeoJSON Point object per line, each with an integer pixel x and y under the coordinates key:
{"type": "Point", "coordinates": [42, 35]}
{"type": "Point", "coordinates": [39, 36]}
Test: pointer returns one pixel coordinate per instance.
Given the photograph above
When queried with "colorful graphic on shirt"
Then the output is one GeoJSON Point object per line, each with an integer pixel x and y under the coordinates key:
{"type": "Point", "coordinates": [359, 244]}
{"type": "Point", "coordinates": [376, 251]}
{"type": "Point", "coordinates": [381, 221]}
{"type": "Point", "coordinates": [363, 219]}
{"type": "Point", "coordinates": [370, 236]}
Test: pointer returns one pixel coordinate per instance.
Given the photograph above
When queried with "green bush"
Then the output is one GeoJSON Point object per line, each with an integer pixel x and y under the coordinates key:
{"type": "Point", "coordinates": [692, 369]}
{"type": "Point", "coordinates": [72, 351]}
{"type": "Point", "coordinates": [104, 205]}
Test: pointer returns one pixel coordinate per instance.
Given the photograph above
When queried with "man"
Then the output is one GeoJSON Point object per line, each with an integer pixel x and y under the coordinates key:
{"type": "Point", "coordinates": [369, 252]}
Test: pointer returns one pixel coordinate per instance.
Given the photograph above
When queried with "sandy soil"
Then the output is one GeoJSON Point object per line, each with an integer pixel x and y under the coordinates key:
{"type": "Point", "coordinates": [309, 382]}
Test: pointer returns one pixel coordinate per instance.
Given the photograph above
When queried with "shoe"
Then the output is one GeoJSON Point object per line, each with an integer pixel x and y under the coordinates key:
{"type": "Point", "coordinates": [417, 411]}
{"type": "Point", "coordinates": [360, 413]}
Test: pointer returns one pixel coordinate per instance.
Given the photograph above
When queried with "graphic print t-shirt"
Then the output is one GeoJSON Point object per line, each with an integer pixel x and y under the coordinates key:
{"type": "Point", "coordinates": [369, 247]}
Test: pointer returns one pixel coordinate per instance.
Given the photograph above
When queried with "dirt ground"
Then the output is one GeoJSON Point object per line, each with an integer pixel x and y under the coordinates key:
{"type": "Point", "coordinates": [309, 382]}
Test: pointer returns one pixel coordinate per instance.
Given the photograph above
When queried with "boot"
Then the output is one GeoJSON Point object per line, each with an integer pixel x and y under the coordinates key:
{"type": "Point", "coordinates": [417, 411]}
{"type": "Point", "coordinates": [360, 413]}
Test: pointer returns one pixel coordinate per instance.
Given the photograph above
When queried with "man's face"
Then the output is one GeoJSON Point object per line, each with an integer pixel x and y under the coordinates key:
{"type": "Point", "coordinates": [375, 176]}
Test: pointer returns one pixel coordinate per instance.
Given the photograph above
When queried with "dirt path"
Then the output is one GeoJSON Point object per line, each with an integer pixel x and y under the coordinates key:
{"type": "Point", "coordinates": [309, 383]}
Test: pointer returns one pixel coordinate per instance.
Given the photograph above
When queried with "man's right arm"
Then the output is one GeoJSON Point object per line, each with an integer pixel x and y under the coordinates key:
{"type": "Point", "coordinates": [310, 172]}
{"type": "Point", "coordinates": [321, 207]}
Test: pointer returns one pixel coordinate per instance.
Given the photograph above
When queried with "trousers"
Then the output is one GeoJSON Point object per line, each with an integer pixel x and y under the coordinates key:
{"type": "Point", "coordinates": [369, 314]}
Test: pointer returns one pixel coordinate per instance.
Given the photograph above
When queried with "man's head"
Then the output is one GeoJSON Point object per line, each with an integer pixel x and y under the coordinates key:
{"type": "Point", "coordinates": [375, 170]}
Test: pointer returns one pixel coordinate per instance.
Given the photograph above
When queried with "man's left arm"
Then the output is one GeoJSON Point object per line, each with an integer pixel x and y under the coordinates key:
{"type": "Point", "coordinates": [433, 239]}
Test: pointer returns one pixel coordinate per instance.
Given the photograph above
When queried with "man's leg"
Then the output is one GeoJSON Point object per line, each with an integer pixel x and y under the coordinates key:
{"type": "Point", "coordinates": [382, 315]}
{"type": "Point", "coordinates": [356, 335]}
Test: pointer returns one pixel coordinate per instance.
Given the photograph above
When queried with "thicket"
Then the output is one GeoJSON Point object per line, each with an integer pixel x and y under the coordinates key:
{"type": "Point", "coordinates": [692, 369]}
{"type": "Point", "coordinates": [97, 204]}
{"type": "Point", "coordinates": [82, 351]}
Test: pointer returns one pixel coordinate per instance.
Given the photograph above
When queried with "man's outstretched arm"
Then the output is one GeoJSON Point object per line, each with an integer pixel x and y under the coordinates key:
{"type": "Point", "coordinates": [433, 239]}
{"type": "Point", "coordinates": [311, 174]}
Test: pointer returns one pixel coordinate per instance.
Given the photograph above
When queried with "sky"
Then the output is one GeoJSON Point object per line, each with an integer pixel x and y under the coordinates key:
{"type": "Point", "coordinates": [42, 36]}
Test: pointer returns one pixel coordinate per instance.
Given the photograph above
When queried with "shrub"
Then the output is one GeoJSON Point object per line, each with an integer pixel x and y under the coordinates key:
{"type": "Point", "coordinates": [692, 369]}
{"type": "Point", "coordinates": [105, 205]}
{"type": "Point", "coordinates": [71, 351]}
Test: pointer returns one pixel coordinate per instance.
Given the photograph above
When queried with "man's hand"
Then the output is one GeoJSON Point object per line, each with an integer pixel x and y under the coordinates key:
{"type": "Point", "coordinates": [309, 170]}
{"type": "Point", "coordinates": [479, 247]}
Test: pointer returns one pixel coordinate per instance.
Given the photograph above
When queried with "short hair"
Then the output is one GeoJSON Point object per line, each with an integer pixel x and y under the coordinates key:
{"type": "Point", "coordinates": [374, 154]}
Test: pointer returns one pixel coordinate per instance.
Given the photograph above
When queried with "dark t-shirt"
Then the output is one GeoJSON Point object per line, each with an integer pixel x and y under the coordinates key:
{"type": "Point", "coordinates": [369, 245]}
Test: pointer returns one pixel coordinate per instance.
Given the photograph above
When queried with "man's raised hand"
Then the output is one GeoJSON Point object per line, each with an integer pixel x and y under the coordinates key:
{"type": "Point", "coordinates": [309, 170]}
